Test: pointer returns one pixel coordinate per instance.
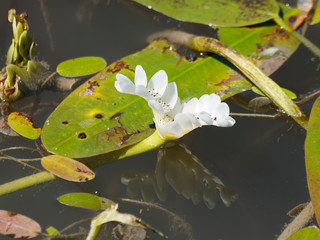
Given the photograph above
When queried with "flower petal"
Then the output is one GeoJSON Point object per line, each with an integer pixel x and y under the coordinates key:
{"type": "Point", "coordinates": [140, 77]}
{"type": "Point", "coordinates": [190, 106]}
{"type": "Point", "coordinates": [176, 109]}
{"type": "Point", "coordinates": [142, 92]}
{"type": "Point", "coordinates": [184, 121]}
{"type": "Point", "coordinates": [210, 106]}
{"type": "Point", "coordinates": [170, 95]}
{"type": "Point", "coordinates": [205, 118]}
{"type": "Point", "coordinates": [170, 131]}
{"type": "Point", "coordinates": [124, 84]}
{"type": "Point", "coordinates": [225, 121]}
{"type": "Point", "coordinates": [158, 83]}
{"type": "Point", "coordinates": [156, 106]}
{"type": "Point", "coordinates": [223, 109]}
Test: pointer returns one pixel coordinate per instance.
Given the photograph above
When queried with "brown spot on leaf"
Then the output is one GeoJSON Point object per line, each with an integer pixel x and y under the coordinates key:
{"type": "Point", "coordinates": [65, 122]}
{"type": "Point", "coordinates": [118, 66]}
{"type": "Point", "coordinates": [91, 85]}
{"type": "Point", "coordinates": [82, 135]}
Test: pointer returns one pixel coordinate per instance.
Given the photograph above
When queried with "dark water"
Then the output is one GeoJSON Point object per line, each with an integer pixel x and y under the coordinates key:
{"type": "Point", "coordinates": [261, 159]}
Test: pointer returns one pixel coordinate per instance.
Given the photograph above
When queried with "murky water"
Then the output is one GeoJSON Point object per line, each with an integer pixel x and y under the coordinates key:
{"type": "Point", "coordinates": [260, 160]}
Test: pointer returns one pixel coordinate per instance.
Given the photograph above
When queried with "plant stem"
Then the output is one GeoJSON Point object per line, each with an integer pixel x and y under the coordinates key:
{"type": "Point", "coordinates": [263, 82]}
{"type": "Point", "coordinates": [304, 217]}
{"type": "Point", "coordinates": [306, 42]}
{"type": "Point", "coordinates": [152, 142]}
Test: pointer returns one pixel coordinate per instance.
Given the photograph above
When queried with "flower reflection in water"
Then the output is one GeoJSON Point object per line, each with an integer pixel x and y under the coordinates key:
{"type": "Point", "coordinates": [178, 167]}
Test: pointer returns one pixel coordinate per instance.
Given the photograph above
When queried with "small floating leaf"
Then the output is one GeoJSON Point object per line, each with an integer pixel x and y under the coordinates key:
{"type": "Point", "coordinates": [290, 94]}
{"type": "Point", "coordinates": [82, 66]}
{"type": "Point", "coordinates": [67, 168]}
{"type": "Point", "coordinates": [23, 124]}
{"type": "Point", "coordinates": [52, 231]}
{"type": "Point", "coordinates": [308, 233]}
{"type": "Point", "coordinates": [18, 226]}
{"type": "Point", "coordinates": [85, 200]}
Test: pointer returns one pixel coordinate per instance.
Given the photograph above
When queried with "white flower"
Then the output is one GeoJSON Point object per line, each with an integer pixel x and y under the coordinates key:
{"type": "Point", "coordinates": [157, 88]}
{"type": "Point", "coordinates": [173, 119]}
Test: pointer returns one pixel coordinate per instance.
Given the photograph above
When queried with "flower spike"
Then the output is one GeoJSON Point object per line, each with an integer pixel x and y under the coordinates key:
{"type": "Point", "coordinates": [172, 118]}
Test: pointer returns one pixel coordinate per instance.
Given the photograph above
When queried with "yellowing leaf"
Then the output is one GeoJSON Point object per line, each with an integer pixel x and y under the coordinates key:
{"type": "Point", "coordinates": [23, 124]}
{"type": "Point", "coordinates": [67, 168]}
{"type": "Point", "coordinates": [308, 233]}
{"type": "Point", "coordinates": [18, 226]}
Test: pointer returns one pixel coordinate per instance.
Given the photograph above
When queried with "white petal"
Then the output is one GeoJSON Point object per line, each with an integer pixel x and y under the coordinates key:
{"type": "Point", "coordinates": [212, 103]}
{"type": "Point", "coordinates": [225, 121]}
{"type": "Point", "coordinates": [158, 82]}
{"type": "Point", "coordinates": [205, 118]}
{"type": "Point", "coordinates": [157, 107]}
{"type": "Point", "coordinates": [184, 121]}
{"type": "Point", "coordinates": [196, 123]}
{"type": "Point", "coordinates": [140, 77]}
{"type": "Point", "coordinates": [124, 84]}
{"type": "Point", "coordinates": [170, 95]}
{"type": "Point", "coordinates": [171, 130]}
{"type": "Point", "coordinates": [142, 92]}
{"type": "Point", "coordinates": [222, 109]}
{"type": "Point", "coordinates": [190, 106]}
{"type": "Point", "coordinates": [176, 109]}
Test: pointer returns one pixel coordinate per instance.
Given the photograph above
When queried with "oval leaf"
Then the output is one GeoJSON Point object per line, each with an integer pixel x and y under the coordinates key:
{"type": "Point", "coordinates": [67, 168]}
{"type": "Point", "coordinates": [218, 13]}
{"type": "Point", "coordinates": [308, 233]}
{"type": "Point", "coordinates": [97, 119]}
{"type": "Point", "coordinates": [85, 200]}
{"type": "Point", "coordinates": [81, 66]}
{"type": "Point", "coordinates": [24, 125]}
{"type": "Point", "coordinates": [312, 150]}
{"type": "Point", "coordinates": [18, 226]}
{"type": "Point", "coordinates": [52, 231]}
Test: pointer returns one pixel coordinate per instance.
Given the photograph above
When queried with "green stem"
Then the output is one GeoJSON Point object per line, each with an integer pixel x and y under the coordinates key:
{"type": "Point", "coordinates": [263, 82]}
{"type": "Point", "coordinates": [306, 42]}
{"type": "Point", "coordinates": [152, 142]}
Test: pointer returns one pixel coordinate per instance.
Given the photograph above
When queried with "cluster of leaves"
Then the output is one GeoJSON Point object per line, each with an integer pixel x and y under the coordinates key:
{"type": "Point", "coordinates": [112, 123]}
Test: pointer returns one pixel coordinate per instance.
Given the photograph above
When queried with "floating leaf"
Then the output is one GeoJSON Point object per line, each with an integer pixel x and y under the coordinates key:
{"type": "Point", "coordinates": [218, 13]}
{"type": "Point", "coordinates": [312, 150]}
{"type": "Point", "coordinates": [52, 231]}
{"type": "Point", "coordinates": [97, 119]}
{"type": "Point", "coordinates": [290, 94]}
{"type": "Point", "coordinates": [18, 226]}
{"type": "Point", "coordinates": [308, 233]}
{"type": "Point", "coordinates": [23, 124]}
{"type": "Point", "coordinates": [85, 200]}
{"type": "Point", "coordinates": [67, 168]}
{"type": "Point", "coordinates": [82, 66]}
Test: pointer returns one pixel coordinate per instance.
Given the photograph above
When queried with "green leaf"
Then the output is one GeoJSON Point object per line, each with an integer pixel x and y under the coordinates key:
{"type": "Point", "coordinates": [316, 16]}
{"type": "Point", "coordinates": [308, 233]}
{"type": "Point", "coordinates": [97, 119]}
{"type": "Point", "coordinates": [18, 226]}
{"type": "Point", "coordinates": [85, 200]}
{"type": "Point", "coordinates": [81, 66]}
{"type": "Point", "coordinates": [52, 231]}
{"type": "Point", "coordinates": [312, 151]}
{"type": "Point", "coordinates": [67, 168]}
{"type": "Point", "coordinates": [23, 124]}
{"type": "Point", "coordinates": [218, 13]}
{"type": "Point", "coordinates": [290, 94]}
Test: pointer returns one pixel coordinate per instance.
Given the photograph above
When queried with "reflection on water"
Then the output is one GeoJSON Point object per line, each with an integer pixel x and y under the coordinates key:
{"type": "Point", "coordinates": [178, 167]}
